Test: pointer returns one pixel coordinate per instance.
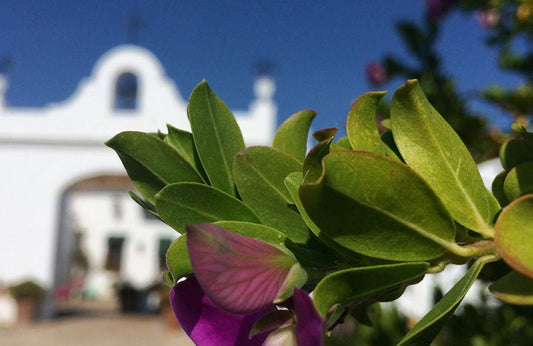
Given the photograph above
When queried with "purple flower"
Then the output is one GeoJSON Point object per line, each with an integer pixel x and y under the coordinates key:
{"type": "Point", "coordinates": [237, 281]}
{"type": "Point", "coordinates": [438, 9]}
{"type": "Point", "coordinates": [376, 73]}
{"type": "Point", "coordinates": [488, 18]}
{"type": "Point", "coordinates": [309, 325]}
{"type": "Point", "coordinates": [206, 324]}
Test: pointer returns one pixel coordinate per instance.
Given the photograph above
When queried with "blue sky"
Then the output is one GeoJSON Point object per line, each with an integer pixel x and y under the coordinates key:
{"type": "Point", "coordinates": [320, 48]}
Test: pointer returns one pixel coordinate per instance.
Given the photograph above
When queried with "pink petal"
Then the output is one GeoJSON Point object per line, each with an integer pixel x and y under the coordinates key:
{"type": "Point", "coordinates": [239, 274]}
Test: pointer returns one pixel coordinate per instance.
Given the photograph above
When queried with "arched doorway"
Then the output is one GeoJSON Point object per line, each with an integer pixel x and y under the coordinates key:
{"type": "Point", "coordinates": [104, 240]}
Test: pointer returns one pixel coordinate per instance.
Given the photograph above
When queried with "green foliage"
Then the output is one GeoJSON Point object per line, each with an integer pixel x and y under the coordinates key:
{"type": "Point", "coordinates": [27, 290]}
{"type": "Point", "coordinates": [362, 223]}
{"type": "Point", "coordinates": [346, 286]}
{"type": "Point", "coordinates": [291, 136]}
{"type": "Point", "coordinates": [432, 149]}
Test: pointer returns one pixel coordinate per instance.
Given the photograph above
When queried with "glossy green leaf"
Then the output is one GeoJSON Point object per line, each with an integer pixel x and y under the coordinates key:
{"type": "Point", "coordinates": [514, 235]}
{"type": "Point", "coordinates": [346, 286]}
{"type": "Point", "coordinates": [143, 154]}
{"type": "Point", "coordinates": [430, 325]}
{"type": "Point", "coordinates": [191, 203]}
{"type": "Point", "coordinates": [312, 168]}
{"type": "Point", "coordinates": [519, 181]}
{"type": "Point", "coordinates": [345, 143]}
{"type": "Point", "coordinates": [293, 183]}
{"type": "Point", "coordinates": [432, 149]}
{"type": "Point", "coordinates": [291, 136]}
{"type": "Point", "coordinates": [183, 142]}
{"type": "Point", "coordinates": [514, 288]}
{"type": "Point", "coordinates": [272, 321]}
{"type": "Point", "coordinates": [254, 230]}
{"type": "Point", "coordinates": [216, 135]}
{"type": "Point", "coordinates": [361, 125]}
{"type": "Point", "coordinates": [391, 148]}
{"type": "Point", "coordinates": [149, 207]}
{"type": "Point", "coordinates": [515, 152]}
{"type": "Point", "coordinates": [259, 174]}
{"type": "Point", "coordinates": [497, 188]}
{"type": "Point", "coordinates": [178, 262]}
{"type": "Point", "coordinates": [378, 207]}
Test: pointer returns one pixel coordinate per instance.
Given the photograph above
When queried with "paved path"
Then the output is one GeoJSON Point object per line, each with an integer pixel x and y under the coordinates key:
{"type": "Point", "coordinates": [95, 329]}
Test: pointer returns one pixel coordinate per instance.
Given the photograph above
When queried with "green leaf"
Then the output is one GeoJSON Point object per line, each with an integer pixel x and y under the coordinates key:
{"type": "Point", "coordinates": [271, 321]}
{"type": "Point", "coordinates": [293, 183]}
{"type": "Point", "coordinates": [191, 203]}
{"type": "Point", "coordinates": [519, 181]}
{"type": "Point", "coordinates": [497, 188]}
{"type": "Point", "coordinates": [429, 326]}
{"type": "Point", "coordinates": [361, 125]}
{"type": "Point", "coordinates": [259, 174]}
{"type": "Point", "coordinates": [345, 143]}
{"type": "Point", "coordinates": [515, 152]}
{"type": "Point", "coordinates": [254, 230]}
{"type": "Point", "coordinates": [183, 142]}
{"type": "Point", "coordinates": [216, 135]}
{"type": "Point", "coordinates": [312, 168]}
{"type": "Point", "coordinates": [151, 163]}
{"type": "Point", "coordinates": [147, 206]}
{"type": "Point", "coordinates": [178, 262]}
{"type": "Point", "coordinates": [346, 286]}
{"type": "Point", "coordinates": [514, 235]}
{"type": "Point", "coordinates": [378, 207]}
{"type": "Point", "coordinates": [432, 149]}
{"type": "Point", "coordinates": [514, 288]}
{"type": "Point", "coordinates": [391, 148]}
{"type": "Point", "coordinates": [291, 136]}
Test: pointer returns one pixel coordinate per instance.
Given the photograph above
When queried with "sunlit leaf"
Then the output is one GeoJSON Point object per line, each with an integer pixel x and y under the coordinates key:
{"type": "Point", "coordinates": [254, 230]}
{"type": "Point", "coordinates": [361, 125]}
{"type": "Point", "coordinates": [514, 235]}
{"type": "Point", "coordinates": [514, 288]}
{"type": "Point", "coordinates": [143, 154]}
{"type": "Point", "coordinates": [519, 181]}
{"type": "Point", "coordinates": [431, 148]}
{"type": "Point", "coordinates": [378, 207]}
{"type": "Point", "coordinates": [497, 188]}
{"type": "Point", "coordinates": [259, 174]}
{"type": "Point", "coordinates": [183, 142]}
{"type": "Point", "coordinates": [312, 168]}
{"type": "Point", "coordinates": [515, 152]}
{"type": "Point", "coordinates": [189, 203]}
{"type": "Point", "coordinates": [345, 143]}
{"type": "Point", "coordinates": [216, 135]}
{"type": "Point", "coordinates": [177, 258]}
{"type": "Point", "coordinates": [293, 183]}
{"type": "Point", "coordinates": [291, 136]}
{"type": "Point", "coordinates": [349, 285]}
{"type": "Point", "coordinates": [430, 325]}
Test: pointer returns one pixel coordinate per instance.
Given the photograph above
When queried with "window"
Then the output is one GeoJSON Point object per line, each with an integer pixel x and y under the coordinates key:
{"type": "Point", "coordinates": [126, 90]}
{"type": "Point", "coordinates": [114, 253]}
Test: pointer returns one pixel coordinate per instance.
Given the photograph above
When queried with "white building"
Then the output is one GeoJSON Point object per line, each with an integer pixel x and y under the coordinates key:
{"type": "Point", "coordinates": [60, 180]}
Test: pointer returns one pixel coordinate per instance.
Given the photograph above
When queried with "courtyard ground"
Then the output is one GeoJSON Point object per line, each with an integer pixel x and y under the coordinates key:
{"type": "Point", "coordinates": [95, 325]}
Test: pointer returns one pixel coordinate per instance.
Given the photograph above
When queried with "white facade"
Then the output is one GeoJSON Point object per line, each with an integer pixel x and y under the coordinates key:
{"type": "Point", "coordinates": [47, 151]}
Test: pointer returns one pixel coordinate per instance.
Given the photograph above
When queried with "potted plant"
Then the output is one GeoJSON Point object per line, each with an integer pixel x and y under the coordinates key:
{"type": "Point", "coordinates": [29, 296]}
